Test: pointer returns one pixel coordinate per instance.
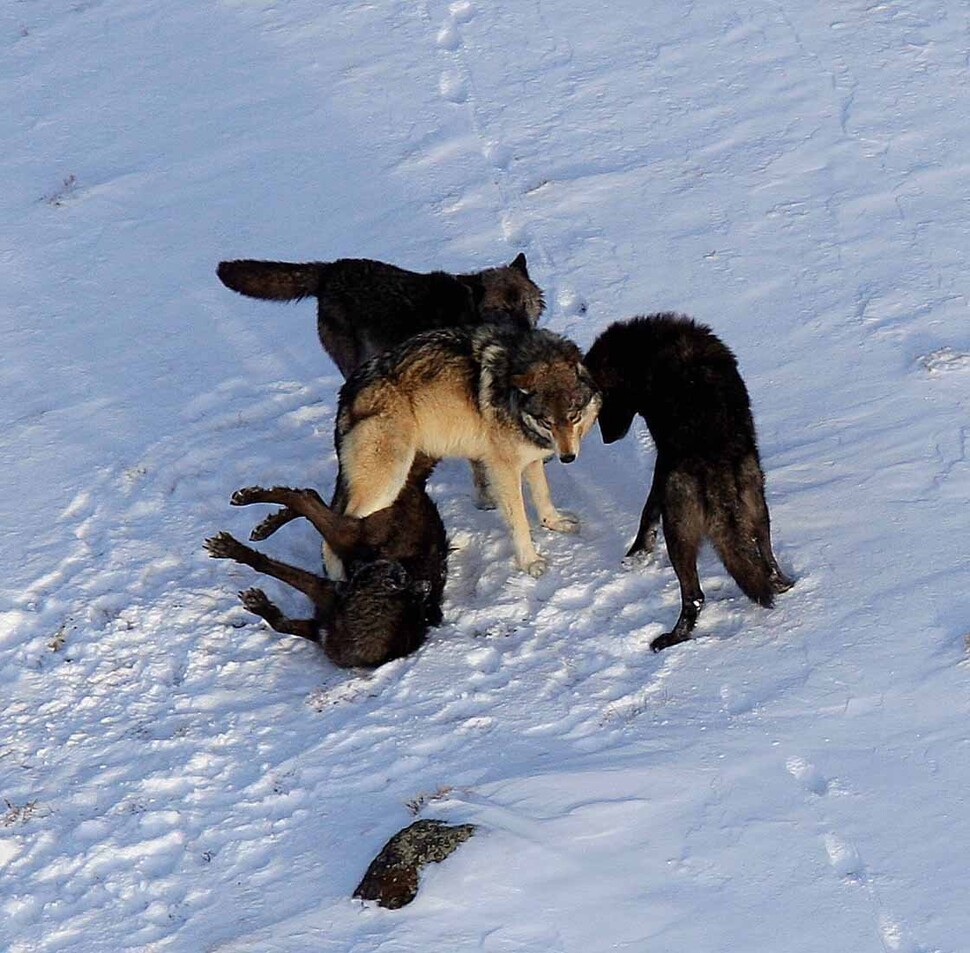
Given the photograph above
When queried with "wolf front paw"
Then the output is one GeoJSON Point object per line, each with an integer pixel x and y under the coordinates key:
{"type": "Point", "coordinates": [247, 495]}
{"type": "Point", "coordinates": [255, 600]}
{"type": "Point", "coordinates": [559, 521]}
{"type": "Point", "coordinates": [222, 546]}
{"type": "Point", "coordinates": [534, 567]}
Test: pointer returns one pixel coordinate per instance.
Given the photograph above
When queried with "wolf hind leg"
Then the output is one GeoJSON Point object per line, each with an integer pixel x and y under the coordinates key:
{"type": "Point", "coordinates": [375, 460]}
{"type": "Point", "coordinates": [683, 526]}
{"type": "Point", "coordinates": [225, 546]}
{"type": "Point", "coordinates": [256, 601]}
{"type": "Point", "coordinates": [757, 525]}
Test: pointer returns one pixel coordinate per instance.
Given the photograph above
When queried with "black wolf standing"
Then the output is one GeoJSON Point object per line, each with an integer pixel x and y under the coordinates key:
{"type": "Point", "coordinates": [684, 381]}
{"type": "Point", "coordinates": [365, 307]}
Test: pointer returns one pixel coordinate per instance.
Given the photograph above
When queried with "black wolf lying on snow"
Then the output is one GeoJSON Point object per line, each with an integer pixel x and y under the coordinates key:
{"type": "Point", "coordinates": [684, 382]}
{"type": "Point", "coordinates": [395, 561]}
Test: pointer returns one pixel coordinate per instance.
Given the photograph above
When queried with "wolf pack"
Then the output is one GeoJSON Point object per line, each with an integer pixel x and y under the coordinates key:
{"type": "Point", "coordinates": [443, 365]}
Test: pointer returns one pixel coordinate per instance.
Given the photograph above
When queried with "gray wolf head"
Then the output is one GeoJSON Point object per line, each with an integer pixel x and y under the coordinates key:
{"type": "Point", "coordinates": [554, 395]}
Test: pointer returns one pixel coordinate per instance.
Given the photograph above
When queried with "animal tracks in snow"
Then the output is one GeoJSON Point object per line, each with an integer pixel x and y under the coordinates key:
{"type": "Point", "coordinates": [846, 859]}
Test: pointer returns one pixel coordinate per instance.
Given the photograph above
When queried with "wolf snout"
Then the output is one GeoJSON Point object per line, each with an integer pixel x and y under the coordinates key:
{"type": "Point", "coordinates": [567, 457]}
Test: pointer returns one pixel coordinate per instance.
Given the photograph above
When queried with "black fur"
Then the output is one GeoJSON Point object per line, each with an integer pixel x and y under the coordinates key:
{"type": "Point", "coordinates": [396, 564]}
{"type": "Point", "coordinates": [365, 306]}
{"type": "Point", "coordinates": [684, 382]}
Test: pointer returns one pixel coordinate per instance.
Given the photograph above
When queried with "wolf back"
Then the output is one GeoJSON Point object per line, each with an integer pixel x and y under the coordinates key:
{"type": "Point", "coordinates": [366, 306]}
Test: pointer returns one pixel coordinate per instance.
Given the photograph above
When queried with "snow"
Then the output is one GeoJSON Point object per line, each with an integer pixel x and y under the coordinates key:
{"type": "Point", "coordinates": [176, 777]}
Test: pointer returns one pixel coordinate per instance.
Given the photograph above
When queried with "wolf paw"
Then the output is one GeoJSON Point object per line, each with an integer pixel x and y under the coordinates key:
{"type": "Point", "coordinates": [270, 524]}
{"type": "Point", "coordinates": [634, 560]}
{"type": "Point", "coordinates": [255, 600]}
{"type": "Point", "coordinates": [664, 641]}
{"type": "Point", "coordinates": [222, 546]}
{"type": "Point", "coordinates": [561, 522]}
{"type": "Point", "coordinates": [536, 567]}
{"type": "Point", "coordinates": [246, 495]}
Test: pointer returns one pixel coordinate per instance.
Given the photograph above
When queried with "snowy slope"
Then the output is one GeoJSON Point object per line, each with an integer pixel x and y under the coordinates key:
{"type": "Point", "coordinates": [174, 776]}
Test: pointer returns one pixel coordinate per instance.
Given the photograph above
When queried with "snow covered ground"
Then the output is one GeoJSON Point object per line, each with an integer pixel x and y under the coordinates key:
{"type": "Point", "coordinates": [175, 777]}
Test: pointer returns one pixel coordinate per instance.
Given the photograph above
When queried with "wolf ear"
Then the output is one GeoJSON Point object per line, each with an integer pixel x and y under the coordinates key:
{"type": "Point", "coordinates": [518, 263]}
{"type": "Point", "coordinates": [584, 374]}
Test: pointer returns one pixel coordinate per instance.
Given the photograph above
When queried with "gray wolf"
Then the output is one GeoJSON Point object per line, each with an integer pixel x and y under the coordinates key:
{"type": "Point", "coordinates": [365, 307]}
{"type": "Point", "coordinates": [684, 382]}
{"type": "Point", "coordinates": [396, 563]}
{"type": "Point", "coordinates": [506, 399]}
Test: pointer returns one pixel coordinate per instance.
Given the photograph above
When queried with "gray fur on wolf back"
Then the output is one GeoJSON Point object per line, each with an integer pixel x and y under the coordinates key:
{"type": "Point", "coordinates": [490, 358]}
{"type": "Point", "coordinates": [366, 306]}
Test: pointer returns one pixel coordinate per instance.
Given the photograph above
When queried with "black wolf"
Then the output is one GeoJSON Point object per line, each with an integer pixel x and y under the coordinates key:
{"type": "Point", "coordinates": [365, 307]}
{"type": "Point", "coordinates": [684, 382]}
{"type": "Point", "coordinates": [396, 563]}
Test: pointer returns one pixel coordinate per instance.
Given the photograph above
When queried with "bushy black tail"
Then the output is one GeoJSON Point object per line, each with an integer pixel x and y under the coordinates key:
{"type": "Point", "coordinates": [274, 280]}
{"type": "Point", "coordinates": [737, 522]}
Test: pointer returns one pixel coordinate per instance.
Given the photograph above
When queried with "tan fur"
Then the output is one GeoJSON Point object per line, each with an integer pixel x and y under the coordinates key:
{"type": "Point", "coordinates": [427, 406]}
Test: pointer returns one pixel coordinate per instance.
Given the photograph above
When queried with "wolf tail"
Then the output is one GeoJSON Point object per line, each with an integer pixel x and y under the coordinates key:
{"type": "Point", "coordinates": [275, 280]}
{"type": "Point", "coordinates": [736, 523]}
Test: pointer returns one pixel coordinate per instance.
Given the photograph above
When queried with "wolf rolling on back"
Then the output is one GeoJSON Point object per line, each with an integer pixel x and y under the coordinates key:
{"type": "Point", "coordinates": [365, 307]}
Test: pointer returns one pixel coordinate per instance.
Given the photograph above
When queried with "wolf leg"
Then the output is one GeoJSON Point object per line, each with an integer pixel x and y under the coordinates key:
{"type": "Point", "coordinates": [483, 492]}
{"type": "Point", "coordinates": [755, 511]}
{"type": "Point", "coordinates": [256, 601]}
{"type": "Point", "coordinates": [683, 525]}
{"type": "Point", "coordinates": [506, 482]}
{"type": "Point", "coordinates": [375, 459]}
{"type": "Point", "coordinates": [549, 516]}
{"type": "Point", "coordinates": [343, 533]}
{"type": "Point", "coordinates": [646, 537]}
{"type": "Point", "coordinates": [224, 546]}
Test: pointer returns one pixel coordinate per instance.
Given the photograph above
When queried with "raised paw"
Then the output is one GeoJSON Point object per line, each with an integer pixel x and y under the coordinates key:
{"type": "Point", "coordinates": [247, 495]}
{"type": "Point", "coordinates": [266, 527]}
{"type": "Point", "coordinates": [223, 546]}
{"type": "Point", "coordinates": [255, 600]}
{"type": "Point", "coordinates": [559, 521]}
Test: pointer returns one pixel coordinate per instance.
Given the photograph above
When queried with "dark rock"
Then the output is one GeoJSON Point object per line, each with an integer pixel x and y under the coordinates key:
{"type": "Point", "coordinates": [392, 878]}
